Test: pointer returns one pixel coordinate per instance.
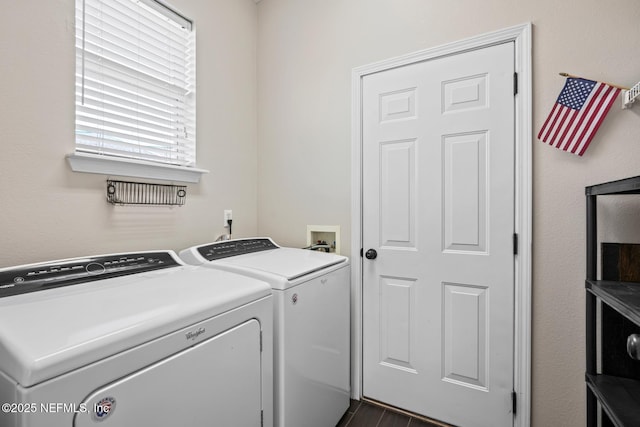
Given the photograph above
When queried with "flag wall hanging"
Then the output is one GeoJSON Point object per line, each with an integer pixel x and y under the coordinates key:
{"type": "Point", "coordinates": [577, 114]}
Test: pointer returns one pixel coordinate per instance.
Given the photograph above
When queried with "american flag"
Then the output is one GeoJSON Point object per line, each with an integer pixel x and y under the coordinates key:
{"type": "Point", "coordinates": [577, 114]}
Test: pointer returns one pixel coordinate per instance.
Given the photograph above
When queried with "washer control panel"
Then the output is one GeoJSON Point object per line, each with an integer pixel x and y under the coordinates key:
{"type": "Point", "coordinates": [231, 248]}
{"type": "Point", "coordinates": [38, 277]}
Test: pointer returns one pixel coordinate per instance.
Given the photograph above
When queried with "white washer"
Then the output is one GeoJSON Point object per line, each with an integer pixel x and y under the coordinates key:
{"type": "Point", "coordinates": [136, 339]}
{"type": "Point", "coordinates": [311, 323]}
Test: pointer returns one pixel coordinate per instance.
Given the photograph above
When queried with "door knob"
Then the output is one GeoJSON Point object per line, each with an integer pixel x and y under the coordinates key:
{"type": "Point", "coordinates": [371, 254]}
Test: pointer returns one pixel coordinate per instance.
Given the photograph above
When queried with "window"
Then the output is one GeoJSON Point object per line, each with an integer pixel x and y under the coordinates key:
{"type": "Point", "coordinates": [135, 82]}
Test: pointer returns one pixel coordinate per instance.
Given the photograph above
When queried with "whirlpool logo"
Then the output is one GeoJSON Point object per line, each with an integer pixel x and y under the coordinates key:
{"type": "Point", "coordinates": [192, 335]}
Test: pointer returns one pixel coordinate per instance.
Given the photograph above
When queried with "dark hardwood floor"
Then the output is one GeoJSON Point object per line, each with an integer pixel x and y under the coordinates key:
{"type": "Point", "coordinates": [365, 414]}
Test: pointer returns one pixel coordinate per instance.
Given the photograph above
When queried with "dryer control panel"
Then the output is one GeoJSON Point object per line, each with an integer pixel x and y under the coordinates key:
{"type": "Point", "coordinates": [231, 248]}
{"type": "Point", "coordinates": [55, 274]}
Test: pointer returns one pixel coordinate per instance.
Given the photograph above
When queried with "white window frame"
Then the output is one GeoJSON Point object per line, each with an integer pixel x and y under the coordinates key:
{"type": "Point", "coordinates": [94, 157]}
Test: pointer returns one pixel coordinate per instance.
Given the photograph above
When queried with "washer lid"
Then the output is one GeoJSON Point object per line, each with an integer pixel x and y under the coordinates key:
{"type": "Point", "coordinates": [47, 333]}
{"type": "Point", "coordinates": [288, 263]}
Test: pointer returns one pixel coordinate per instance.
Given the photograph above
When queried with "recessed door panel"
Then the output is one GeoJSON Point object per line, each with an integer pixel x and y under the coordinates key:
{"type": "Point", "coordinates": [464, 330]}
{"type": "Point", "coordinates": [396, 321]}
{"type": "Point", "coordinates": [397, 193]}
{"type": "Point", "coordinates": [398, 105]}
{"type": "Point", "coordinates": [464, 93]}
{"type": "Point", "coordinates": [465, 192]}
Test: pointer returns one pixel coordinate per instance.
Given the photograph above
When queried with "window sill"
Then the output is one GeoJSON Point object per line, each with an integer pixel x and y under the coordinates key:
{"type": "Point", "coordinates": [92, 163]}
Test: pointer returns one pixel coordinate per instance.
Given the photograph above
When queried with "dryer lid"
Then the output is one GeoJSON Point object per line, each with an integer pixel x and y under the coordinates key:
{"type": "Point", "coordinates": [288, 263]}
{"type": "Point", "coordinates": [47, 333]}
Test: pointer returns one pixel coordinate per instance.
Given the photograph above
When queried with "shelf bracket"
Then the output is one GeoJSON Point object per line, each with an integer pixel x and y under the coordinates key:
{"type": "Point", "coordinates": [629, 96]}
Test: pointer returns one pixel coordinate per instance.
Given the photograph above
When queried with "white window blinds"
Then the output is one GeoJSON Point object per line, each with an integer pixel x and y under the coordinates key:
{"type": "Point", "coordinates": [135, 81]}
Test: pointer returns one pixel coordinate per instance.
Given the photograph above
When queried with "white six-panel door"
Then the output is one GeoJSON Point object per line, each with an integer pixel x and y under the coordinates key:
{"type": "Point", "coordinates": [438, 208]}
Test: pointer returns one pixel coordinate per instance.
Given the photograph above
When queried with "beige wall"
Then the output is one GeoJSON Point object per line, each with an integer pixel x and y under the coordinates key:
{"type": "Point", "coordinates": [306, 51]}
{"type": "Point", "coordinates": [47, 211]}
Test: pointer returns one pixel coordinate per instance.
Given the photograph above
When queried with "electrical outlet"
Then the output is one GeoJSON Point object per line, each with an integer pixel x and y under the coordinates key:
{"type": "Point", "coordinates": [228, 214]}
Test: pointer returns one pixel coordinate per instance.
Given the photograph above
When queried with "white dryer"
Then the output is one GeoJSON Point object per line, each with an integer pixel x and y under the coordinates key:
{"type": "Point", "coordinates": [136, 339]}
{"type": "Point", "coordinates": [311, 323]}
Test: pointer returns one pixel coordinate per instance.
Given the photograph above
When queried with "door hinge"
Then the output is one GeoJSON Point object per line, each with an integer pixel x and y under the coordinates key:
{"type": "Point", "coordinates": [361, 252]}
{"type": "Point", "coordinates": [515, 243]}
{"type": "Point", "coordinates": [261, 417]}
{"type": "Point", "coordinates": [515, 84]}
{"type": "Point", "coordinates": [260, 341]}
{"type": "Point", "coordinates": [514, 402]}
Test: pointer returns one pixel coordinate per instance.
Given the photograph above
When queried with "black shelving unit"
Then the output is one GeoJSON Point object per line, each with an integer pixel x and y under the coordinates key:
{"type": "Point", "coordinates": [618, 396]}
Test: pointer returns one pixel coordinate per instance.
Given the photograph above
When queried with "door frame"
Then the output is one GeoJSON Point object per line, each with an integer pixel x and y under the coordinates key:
{"type": "Point", "coordinates": [521, 36]}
